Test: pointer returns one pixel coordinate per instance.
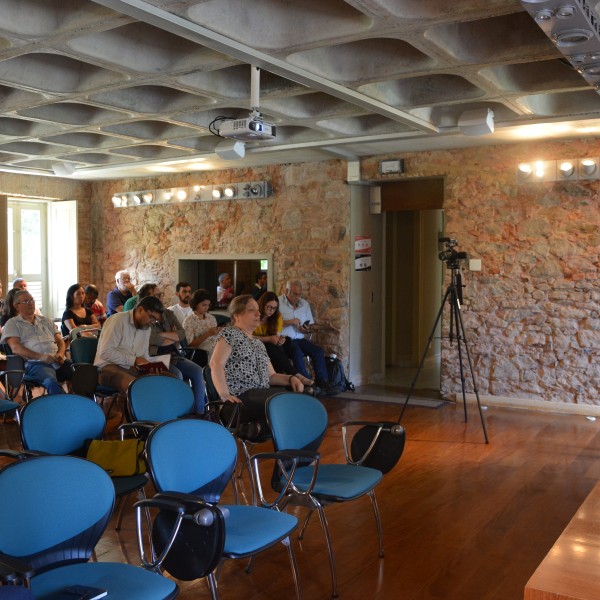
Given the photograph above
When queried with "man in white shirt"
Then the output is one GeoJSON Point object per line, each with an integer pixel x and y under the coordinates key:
{"type": "Point", "coordinates": [183, 290]}
{"type": "Point", "coordinates": [39, 342]}
{"type": "Point", "coordinates": [125, 342]}
{"type": "Point", "coordinates": [297, 319]}
{"type": "Point", "coordinates": [225, 292]}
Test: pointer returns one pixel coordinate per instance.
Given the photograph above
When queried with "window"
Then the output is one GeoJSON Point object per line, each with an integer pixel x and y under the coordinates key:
{"type": "Point", "coordinates": [42, 249]}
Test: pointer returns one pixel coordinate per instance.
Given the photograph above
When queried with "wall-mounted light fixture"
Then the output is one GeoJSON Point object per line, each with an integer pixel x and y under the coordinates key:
{"type": "Point", "coordinates": [195, 193]}
{"type": "Point", "coordinates": [572, 169]}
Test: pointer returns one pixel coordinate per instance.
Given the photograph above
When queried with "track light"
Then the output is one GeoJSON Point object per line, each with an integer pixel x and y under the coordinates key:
{"type": "Point", "coordinates": [195, 193]}
{"type": "Point", "coordinates": [559, 170]}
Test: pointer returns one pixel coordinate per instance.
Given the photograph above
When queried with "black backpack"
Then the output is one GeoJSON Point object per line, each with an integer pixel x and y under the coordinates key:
{"type": "Point", "coordinates": [337, 377]}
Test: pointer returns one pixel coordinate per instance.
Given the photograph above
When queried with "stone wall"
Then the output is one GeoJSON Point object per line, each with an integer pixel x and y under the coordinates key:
{"type": "Point", "coordinates": [305, 224]}
{"type": "Point", "coordinates": [532, 313]}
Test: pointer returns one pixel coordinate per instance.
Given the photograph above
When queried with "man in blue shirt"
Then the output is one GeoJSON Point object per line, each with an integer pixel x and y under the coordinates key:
{"type": "Point", "coordinates": [297, 319]}
{"type": "Point", "coordinates": [117, 297]}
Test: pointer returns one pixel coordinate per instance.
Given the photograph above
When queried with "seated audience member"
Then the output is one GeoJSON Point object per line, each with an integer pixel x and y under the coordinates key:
{"type": "Point", "coordinates": [38, 341]}
{"type": "Point", "coordinates": [165, 338]}
{"type": "Point", "coordinates": [76, 314]}
{"type": "Point", "coordinates": [297, 318]}
{"type": "Point", "coordinates": [260, 286]}
{"type": "Point", "coordinates": [241, 369]}
{"type": "Point", "coordinates": [21, 284]}
{"type": "Point", "coordinates": [183, 291]}
{"type": "Point", "coordinates": [122, 292]}
{"type": "Point", "coordinates": [91, 301]}
{"type": "Point", "coordinates": [200, 327]}
{"type": "Point", "coordinates": [10, 310]}
{"type": "Point", "coordinates": [148, 289]}
{"type": "Point", "coordinates": [269, 332]}
{"type": "Point", "coordinates": [225, 291]}
{"type": "Point", "coordinates": [125, 343]}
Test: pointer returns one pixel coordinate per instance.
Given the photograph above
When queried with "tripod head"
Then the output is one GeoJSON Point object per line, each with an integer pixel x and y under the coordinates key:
{"type": "Point", "coordinates": [452, 259]}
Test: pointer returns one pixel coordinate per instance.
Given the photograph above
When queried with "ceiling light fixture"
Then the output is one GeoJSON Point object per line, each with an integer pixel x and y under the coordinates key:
{"type": "Point", "coordinates": [217, 193]}
{"type": "Point", "coordinates": [571, 37]}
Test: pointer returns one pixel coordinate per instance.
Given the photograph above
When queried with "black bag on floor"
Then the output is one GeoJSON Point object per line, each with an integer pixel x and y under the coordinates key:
{"type": "Point", "coordinates": [337, 376]}
{"type": "Point", "coordinates": [386, 451]}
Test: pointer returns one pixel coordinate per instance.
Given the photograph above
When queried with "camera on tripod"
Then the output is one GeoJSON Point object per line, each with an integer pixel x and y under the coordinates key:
{"type": "Point", "coordinates": [451, 256]}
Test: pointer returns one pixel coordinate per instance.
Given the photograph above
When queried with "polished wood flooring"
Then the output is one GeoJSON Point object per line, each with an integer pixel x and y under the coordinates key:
{"type": "Point", "coordinates": [462, 520]}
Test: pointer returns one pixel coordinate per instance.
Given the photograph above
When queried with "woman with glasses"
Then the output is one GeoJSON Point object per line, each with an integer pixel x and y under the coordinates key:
{"type": "Point", "coordinates": [269, 332]}
{"type": "Point", "coordinates": [241, 370]}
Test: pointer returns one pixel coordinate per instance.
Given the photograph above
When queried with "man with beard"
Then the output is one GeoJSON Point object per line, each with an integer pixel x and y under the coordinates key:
{"type": "Point", "coordinates": [183, 290]}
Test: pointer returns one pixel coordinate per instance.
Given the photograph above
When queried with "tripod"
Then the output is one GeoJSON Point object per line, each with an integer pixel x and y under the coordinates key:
{"type": "Point", "coordinates": [453, 296]}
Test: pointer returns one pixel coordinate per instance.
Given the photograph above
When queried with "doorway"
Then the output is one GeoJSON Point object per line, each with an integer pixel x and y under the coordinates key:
{"type": "Point", "coordinates": [413, 279]}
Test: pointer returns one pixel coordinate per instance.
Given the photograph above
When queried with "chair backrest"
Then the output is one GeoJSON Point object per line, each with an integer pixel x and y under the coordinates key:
{"type": "Point", "coordinates": [16, 365]}
{"type": "Point", "coordinates": [159, 398]}
{"type": "Point", "coordinates": [61, 423]}
{"type": "Point", "coordinates": [297, 421]}
{"type": "Point", "coordinates": [211, 390]}
{"type": "Point", "coordinates": [191, 456]}
{"type": "Point", "coordinates": [85, 379]}
{"type": "Point", "coordinates": [83, 349]}
{"type": "Point", "coordinates": [55, 509]}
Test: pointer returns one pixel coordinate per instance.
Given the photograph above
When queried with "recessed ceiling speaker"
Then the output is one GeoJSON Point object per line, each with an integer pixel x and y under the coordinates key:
{"type": "Point", "coordinates": [63, 169]}
{"type": "Point", "coordinates": [230, 149]}
{"type": "Point", "coordinates": [479, 121]}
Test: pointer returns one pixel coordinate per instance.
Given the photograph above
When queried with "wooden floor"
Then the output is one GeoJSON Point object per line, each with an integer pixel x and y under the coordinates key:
{"type": "Point", "coordinates": [462, 520]}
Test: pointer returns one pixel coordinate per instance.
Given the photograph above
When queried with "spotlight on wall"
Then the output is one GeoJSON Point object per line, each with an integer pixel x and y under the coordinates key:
{"type": "Point", "coordinates": [195, 193]}
{"type": "Point", "coordinates": [588, 168]}
{"type": "Point", "coordinates": [571, 169]}
{"type": "Point", "coordinates": [230, 191]}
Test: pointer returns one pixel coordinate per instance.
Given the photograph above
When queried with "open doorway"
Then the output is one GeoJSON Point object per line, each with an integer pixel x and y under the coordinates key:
{"type": "Point", "coordinates": [413, 281]}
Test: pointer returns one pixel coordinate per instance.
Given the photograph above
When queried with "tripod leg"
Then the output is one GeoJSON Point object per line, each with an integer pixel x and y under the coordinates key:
{"type": "Point", "coordinates": [455, 314]}
{"type": "Point", "coordinates": [462, 333]}
{"type": "Point", "coordinates": [431, 336]}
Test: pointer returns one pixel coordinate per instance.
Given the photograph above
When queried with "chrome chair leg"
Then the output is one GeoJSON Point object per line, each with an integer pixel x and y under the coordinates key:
{"type": "Point", "coordinates": [212, 586]}
{"type": "Point", "coordinates": [371, 495]}
{"type": "Point", "coordinates": [288, 544]}
{"type": "Point", "coordinates": [334, 587]}
{"type": "Point", "coordinates": [305, 524]}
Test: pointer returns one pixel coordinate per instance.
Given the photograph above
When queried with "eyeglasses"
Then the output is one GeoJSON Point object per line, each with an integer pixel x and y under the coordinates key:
{"type": "Point", "coordinates": [30, 301]}
{"type": "Point", "coordinates": [270, 307]}
{"type": "Point", "coordinates": [295, 294]}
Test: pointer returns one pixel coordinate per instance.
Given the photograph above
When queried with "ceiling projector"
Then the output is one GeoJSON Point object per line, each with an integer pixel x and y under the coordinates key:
{"type": "Point", "coordinates": [249, 129]}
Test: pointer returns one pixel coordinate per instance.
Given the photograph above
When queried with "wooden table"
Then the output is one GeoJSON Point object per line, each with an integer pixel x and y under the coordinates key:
{"type": "Point", "coordinates": [571, 570]}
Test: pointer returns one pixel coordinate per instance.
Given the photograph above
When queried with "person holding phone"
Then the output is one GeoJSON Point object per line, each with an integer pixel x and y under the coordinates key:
{"type": "Point", "coordinates": [297, 320]}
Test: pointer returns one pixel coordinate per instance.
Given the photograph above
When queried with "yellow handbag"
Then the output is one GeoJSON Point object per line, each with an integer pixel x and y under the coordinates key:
{"type": "Point", "coordinates": [119, 458]}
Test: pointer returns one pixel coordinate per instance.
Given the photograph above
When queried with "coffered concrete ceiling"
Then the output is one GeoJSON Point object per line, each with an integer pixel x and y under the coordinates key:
{"type": "Point", "coordinates": [119, 88]}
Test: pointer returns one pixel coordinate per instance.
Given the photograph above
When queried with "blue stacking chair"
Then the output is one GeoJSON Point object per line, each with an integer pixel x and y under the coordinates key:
{"type": "Point", "coordinates": [62, 424]}
{"type": "Point", "coordinates": [198, 458]}
{"type": "Point", "coordinates": [299, 422]}
{"type": "Point", "coordinates": [159, 398]}
{"type": "Point", "coordinates": [64, 505]}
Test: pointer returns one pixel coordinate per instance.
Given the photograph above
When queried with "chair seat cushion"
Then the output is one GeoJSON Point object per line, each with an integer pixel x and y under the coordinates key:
{"type": "Point", "coordinates": [126, 485]}
{"type": "Point", "coordinates": [338, 483]}
{"type": "Point", "coordinates": [251, 529]}
{"type": "Point", "coordinates": [122, 581]}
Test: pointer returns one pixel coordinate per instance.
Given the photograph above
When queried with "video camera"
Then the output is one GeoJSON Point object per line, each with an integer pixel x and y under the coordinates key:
{"type": "Point", "coordinates": [450, 255]}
